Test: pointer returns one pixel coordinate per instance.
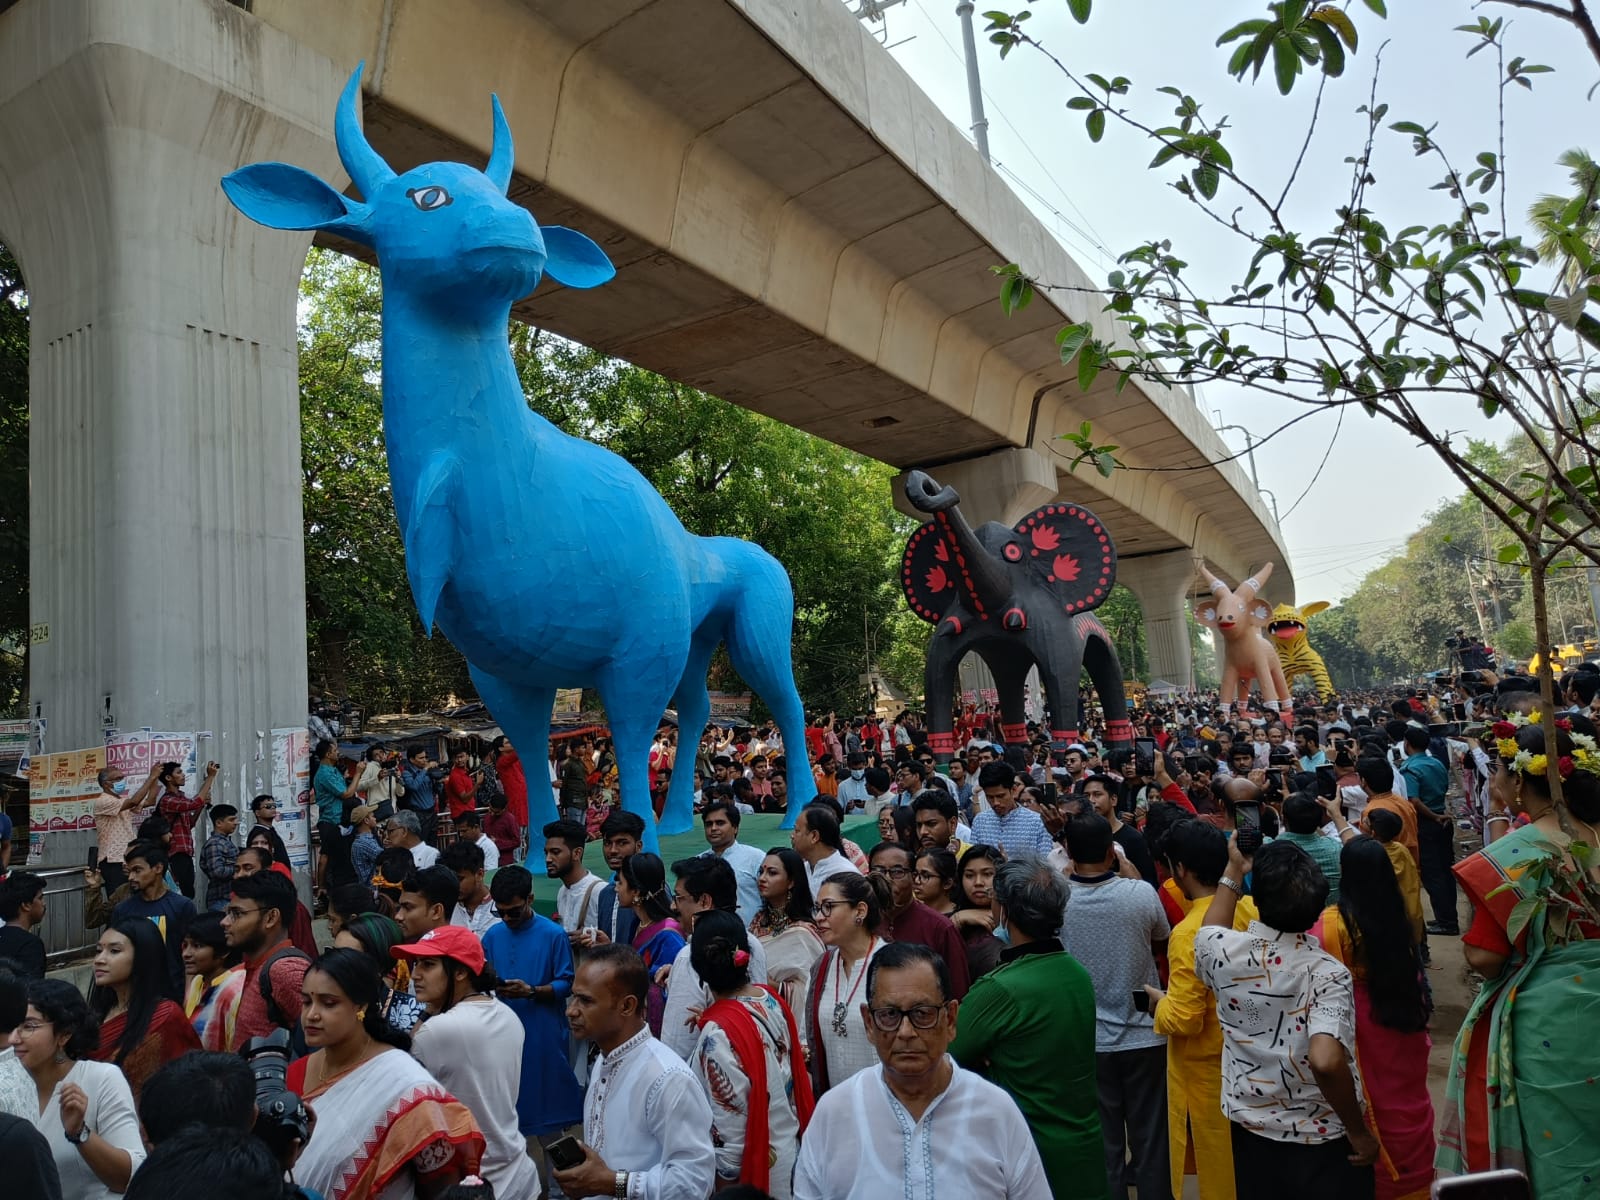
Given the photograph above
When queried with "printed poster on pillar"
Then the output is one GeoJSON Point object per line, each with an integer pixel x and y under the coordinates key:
{"type": "Point", "coordinates": [136, 751]}
{"type": "Point", "coordinates": [291, 788]}
{"type": "Point", "coordinates": [61, 793]}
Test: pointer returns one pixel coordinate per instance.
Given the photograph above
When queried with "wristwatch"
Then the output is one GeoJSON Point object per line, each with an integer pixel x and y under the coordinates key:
{"type": "Point", "coordinates": [1233, 885]}
{"type": "Point", "coordinates": [621, 1191]}
{"type": "Point", "coordinates": [83, 1135]}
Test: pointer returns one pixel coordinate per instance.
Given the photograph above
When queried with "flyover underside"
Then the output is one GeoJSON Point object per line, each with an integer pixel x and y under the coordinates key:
{"type": "Point", "coordinates": [798, 231]}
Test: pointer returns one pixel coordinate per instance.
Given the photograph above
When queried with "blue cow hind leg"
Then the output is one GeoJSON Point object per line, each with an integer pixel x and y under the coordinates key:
{"type": "Point", "coordinates": [693, 703]}
{"type": "Point", "coordinates": [524, 714]}
{"type": "Point", "coordinates": [759, 644]}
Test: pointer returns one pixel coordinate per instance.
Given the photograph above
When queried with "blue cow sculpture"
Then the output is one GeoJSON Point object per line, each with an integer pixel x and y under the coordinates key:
{"type": "Point", "coordinates": [546, 560]}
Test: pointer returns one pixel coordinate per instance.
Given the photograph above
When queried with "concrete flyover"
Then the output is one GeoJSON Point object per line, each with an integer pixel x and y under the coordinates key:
{"type": "Point", "coordinates": [797, 230]}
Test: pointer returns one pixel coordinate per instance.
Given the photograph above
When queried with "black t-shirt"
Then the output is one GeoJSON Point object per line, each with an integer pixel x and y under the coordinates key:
{"type": "Point", "coordinates": [30, 1169]}
{"type": "Point", "coordinates": [1138, 852]}
{"type": "Point", "coordinates": [23, 948]}
{"type": "Point", "coordinates": [335, 848]}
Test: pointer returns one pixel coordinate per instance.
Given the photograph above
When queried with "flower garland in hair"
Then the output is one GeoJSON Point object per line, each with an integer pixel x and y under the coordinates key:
{"type": "Point", "coordinates": [1585, 754]}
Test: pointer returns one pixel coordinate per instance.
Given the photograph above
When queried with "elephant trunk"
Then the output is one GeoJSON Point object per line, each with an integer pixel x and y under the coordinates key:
{"type": "Point", "coordinates": [985, 580]}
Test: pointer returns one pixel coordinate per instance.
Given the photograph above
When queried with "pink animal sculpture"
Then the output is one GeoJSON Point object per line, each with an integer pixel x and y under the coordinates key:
{"type": "Point", "coordinates": [1239, 618]}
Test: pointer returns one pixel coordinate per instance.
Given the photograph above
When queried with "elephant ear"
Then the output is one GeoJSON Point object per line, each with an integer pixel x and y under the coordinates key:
{"type": "Point", "coordinates": [928, 574]}
{"type": "Point", "coordinates": [1068, 547]}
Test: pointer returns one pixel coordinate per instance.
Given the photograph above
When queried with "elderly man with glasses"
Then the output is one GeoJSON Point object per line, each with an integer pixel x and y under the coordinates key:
{"type": "Point", "coordinates": [917, 1111]}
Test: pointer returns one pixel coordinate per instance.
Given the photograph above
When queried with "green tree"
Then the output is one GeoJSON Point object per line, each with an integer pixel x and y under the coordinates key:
{"type": "Point", "coordinates": [13, 488]}
{"type": "Point", "coordinates": [1548, 214]}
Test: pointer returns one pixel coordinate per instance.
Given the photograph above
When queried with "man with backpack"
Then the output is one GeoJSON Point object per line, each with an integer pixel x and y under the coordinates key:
{"type": "Point", "coordinates": [256, 925]}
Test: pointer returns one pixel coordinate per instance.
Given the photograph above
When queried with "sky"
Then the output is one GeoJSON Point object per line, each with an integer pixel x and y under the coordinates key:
{"type": "Point", "coordinates": [1345, 517]}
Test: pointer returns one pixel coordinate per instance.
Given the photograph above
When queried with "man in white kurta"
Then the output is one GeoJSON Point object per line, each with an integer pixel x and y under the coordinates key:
{"type": "Point", "coordinates": [916, 1125]}
{"type": "Point", "coordinates": [646, 1119]}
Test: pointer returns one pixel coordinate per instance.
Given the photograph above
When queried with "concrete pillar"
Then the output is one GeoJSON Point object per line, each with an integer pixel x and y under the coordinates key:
{"type": "Point", "coordinates": [1004, 485]}
{"type": "Point", "coordinates": [1163, 583]}
{"type": "Point", "coordinates": [166, 545]}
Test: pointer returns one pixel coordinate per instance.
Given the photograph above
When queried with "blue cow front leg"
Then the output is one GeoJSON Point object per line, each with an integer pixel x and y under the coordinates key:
{"type": "Point", "coordinates": [633, 710]}
{"type": "Point", "coordinates": [524, 714]}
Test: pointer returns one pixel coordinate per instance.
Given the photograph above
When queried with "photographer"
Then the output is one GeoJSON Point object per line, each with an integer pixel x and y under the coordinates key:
{"type": "Point", "coordinates": [213, 1098]}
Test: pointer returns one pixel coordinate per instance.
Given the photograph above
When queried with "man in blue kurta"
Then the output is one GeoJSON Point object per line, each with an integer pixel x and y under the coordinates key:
{"type": "Point", "coordinates": [533, 959]}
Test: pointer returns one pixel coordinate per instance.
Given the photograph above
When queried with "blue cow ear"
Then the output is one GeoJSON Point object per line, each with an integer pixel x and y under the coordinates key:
{"type": "Point", "coordinates": [573, 259]}
{"type": "Point", "coordinates": [281, 196]}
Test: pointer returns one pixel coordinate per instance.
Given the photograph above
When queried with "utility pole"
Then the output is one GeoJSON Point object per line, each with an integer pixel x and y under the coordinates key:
{"type": "Point", "coordinates": [980, 123]}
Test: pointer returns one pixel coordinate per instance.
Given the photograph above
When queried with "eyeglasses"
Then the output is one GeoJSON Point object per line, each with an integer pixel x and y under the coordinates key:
{"type": "Point", "coordinates": [233, 913]}
{"type": "Point", "coordinates": [891, 872]}
{"type": "Point", "coordinates": [923, 1016]}
{"type": "Point", "coordinates": [32, 1027]}
{"type": "Point", "coordinates": [924, 876]}
{"type": "Point", "coordinates": [824, 908]}
{"type": "Point", "coordinates": [516, 914]}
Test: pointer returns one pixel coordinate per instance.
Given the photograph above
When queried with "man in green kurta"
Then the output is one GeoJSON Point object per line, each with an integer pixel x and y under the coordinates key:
{"type": "Point", "coordinates": [1028, 1026]}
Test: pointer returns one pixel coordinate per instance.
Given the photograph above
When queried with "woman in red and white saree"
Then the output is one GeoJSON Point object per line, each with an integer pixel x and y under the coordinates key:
{"type": "Point", "coordinates": [385, 1129]}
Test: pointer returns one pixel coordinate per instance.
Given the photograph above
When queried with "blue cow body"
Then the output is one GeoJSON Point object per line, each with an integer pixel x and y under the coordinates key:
{"type": "Point", "coordinates": [548, 561]}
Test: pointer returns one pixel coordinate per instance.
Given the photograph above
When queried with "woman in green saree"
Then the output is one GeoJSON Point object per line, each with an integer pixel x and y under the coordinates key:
{"type": "Point", "coordinates": [1523, 1088]}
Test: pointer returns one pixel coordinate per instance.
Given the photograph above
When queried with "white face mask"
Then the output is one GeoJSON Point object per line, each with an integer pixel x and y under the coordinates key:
{"type": "Point", "coordinates": [861, 774]}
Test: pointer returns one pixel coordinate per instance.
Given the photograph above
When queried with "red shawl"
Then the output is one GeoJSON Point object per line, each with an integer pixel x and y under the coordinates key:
{"type": "Point", "coordinates": [169, 1036]}
{"type": "Point", "coordinates": [745, 1038]}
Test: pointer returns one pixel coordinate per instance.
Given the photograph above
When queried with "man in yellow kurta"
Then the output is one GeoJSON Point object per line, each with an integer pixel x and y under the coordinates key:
{"type": "Point", "coordinates": [1186, 1015]}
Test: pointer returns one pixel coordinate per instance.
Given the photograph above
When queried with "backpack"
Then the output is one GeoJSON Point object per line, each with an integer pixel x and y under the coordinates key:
{"type": "Point", "coordinates": [275, 1014]}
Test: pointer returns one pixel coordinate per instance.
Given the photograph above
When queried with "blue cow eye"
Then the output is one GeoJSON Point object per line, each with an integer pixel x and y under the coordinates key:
{"type": "Point", "coordinates": [428, 198]}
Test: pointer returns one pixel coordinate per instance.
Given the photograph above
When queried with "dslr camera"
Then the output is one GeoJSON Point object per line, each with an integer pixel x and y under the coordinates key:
{"type": "Point", "coordinates": [281, 1116]}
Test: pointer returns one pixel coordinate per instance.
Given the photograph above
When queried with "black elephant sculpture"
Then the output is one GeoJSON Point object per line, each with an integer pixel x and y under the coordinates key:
{"type": "Point", "coordinates": [1017, 597]}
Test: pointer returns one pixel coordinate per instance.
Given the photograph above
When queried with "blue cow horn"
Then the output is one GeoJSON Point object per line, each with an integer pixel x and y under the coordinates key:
{"type": "Point", "coordinates": [367, 169]}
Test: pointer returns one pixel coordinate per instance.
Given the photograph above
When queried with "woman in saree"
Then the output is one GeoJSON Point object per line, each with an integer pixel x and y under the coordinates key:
{"type": "Point", "coordinates": [642, 886]}
{"type": "Point", "coordinates": [784, 925]}
{"type": "Point", "coordinates": [140, 1028]}
{"type": "Point", "coordinates": [1520, 1090]}
{"type": "Point", "coordinates": [386, 1129]}
{"type": "Point", "coordinates": [215, 977]}
{"type": "Point", "coordinates": [748, 1059]}
{"type": "Point", "coordinates": [1368, 931]}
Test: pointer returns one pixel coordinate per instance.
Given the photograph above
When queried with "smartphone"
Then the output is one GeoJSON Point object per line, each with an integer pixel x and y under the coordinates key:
{"type": "Point", "coordinates": [1247, 816]}
{"type": "Point", "coordinates": [1052, 794]}
{"type": "Point", "coordinates": [1327, 782]}
{"type": "Point", "coordinates": [94, 859]}
{"type": "Point", "coordinates": [1141, 1001]}
{"type": "Point", "coordinates": [1249, 839]}
{"type": "Point", "coordinates": [565, 1153]}
{"type": "Point", "coordinates": [1144, 755]}
{"type": "Point", "coordinates": [1485, 1185]}
{"type": "Point", "coordinates": [1460, 710]}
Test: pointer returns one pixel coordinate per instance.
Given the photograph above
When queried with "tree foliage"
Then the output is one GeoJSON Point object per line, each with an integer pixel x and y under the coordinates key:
{"type": "Point", "coordinates": [823, 511]}
{"type": "Point", "coordinates": [13, 488]}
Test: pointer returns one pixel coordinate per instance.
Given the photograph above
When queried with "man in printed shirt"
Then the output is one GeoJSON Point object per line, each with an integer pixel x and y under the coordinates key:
{"type": "Point", "coordinates": [1287, 1010]}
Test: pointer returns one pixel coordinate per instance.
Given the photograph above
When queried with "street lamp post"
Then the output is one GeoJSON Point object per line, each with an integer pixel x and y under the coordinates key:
{"type": "Point", "coordinates": [980, 123]}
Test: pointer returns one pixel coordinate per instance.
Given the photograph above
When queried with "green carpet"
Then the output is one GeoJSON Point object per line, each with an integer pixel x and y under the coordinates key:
{"type": "Point", "coordinates": [757, 829]}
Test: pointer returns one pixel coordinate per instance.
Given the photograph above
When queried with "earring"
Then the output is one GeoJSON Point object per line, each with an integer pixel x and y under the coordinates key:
{"type": "Point", "coordinates": [361, 1013]}
{"type": "Point", "coordinates": [61, 1056]}
{"type": "Point", "coordinates": [858, 920]}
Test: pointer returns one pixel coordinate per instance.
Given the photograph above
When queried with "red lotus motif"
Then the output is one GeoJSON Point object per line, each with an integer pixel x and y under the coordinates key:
{"type": "Point", "coordinates": [941, 551]}
{"type": "Point", "coordinates": [937, 580]}
{"type": "Point", "coordinates": [1065, 567]}
{"type": "Point", "coordinates": [1045, 538]}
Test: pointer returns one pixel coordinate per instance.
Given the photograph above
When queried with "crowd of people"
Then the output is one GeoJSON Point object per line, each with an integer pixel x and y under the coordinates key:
{"type": "Point", "coordinates": [1058, 971]}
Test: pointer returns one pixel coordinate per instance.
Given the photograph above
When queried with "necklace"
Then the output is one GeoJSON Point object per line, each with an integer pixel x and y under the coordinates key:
{"type": "Point", "coordinates": [842, 1006]}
